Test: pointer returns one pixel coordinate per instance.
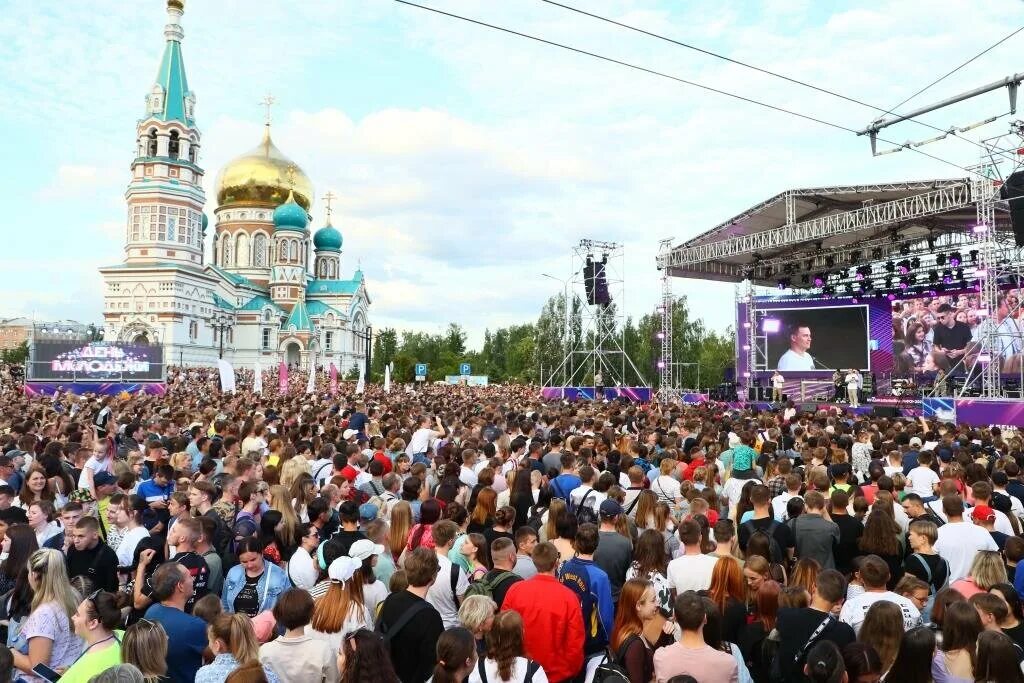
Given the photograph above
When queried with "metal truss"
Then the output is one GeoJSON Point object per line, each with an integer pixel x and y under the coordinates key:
{"type": "Point", "coordinates": [667, 391]}
{"type": "Point", "coordinates": [905, 210]}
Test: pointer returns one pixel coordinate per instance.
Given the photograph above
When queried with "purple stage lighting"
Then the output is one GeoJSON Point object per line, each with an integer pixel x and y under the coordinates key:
{"type": "Point", "coordinates": [771, 325]}
{"type": "Point", "coordinates": [661, 365]}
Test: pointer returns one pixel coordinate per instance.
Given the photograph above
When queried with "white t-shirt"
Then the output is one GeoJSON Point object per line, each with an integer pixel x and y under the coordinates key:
{"type": "Point", "coordinates": [778, 381]}
{"type": "Point", "coordinates": [594, 500]}
{"type": "Point", "coordinates": [421, 440]}
{"type": "Point", "coordinates": [958, 543]}
{"type": "Point", "coordinates": [374, 594]}
{"type": "Point", "coordinates": [518, 672]}
{"type": "Point", "coordinates": [96, 466]}
{"type": "Point", "coordinates": [467, 476]}
{"type": "Point", "coordinates": [440, 593]}
{"type": "Point", "coordinates": [791, 360]}
{"type": "Point", "coordinates": [851, 380]}
{"type": "Point", "coordinates": [779, 505]}
{"type": "Point", "coordinates": [691, 572]}
{"type": "Point", "coordinates": [130, 540]}
{"type": "Point", "coordinates": [922, 480]}
{"type": "Point", "coordinates": [667, 489]}
{"type": "Point", "coordinates": [302, 569]}
{"type": "Point", "coordinates": [855, 609]}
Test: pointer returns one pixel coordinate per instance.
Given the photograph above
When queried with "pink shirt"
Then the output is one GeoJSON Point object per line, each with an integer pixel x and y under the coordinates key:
{"type": "Point", "coordinates": [706, 664]}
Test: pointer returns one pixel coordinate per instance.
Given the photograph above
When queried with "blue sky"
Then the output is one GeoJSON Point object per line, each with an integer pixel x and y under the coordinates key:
{"type": "Point", "coordinates": [468, 161]}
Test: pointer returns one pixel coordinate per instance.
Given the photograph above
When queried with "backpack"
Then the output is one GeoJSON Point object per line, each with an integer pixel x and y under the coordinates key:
{"type": "Point", "coordinates": [610, 670]}
{"type": "Point", "coordinates": [536, 518]}
{"type": "Point", "coordinates": [486, 586]}
{"type": "Point", "coordinates": [584, 513]}
{"type": "Point", "coordinates": [775, 550]}
{"type": "Point", "coordinates": [574, 575]}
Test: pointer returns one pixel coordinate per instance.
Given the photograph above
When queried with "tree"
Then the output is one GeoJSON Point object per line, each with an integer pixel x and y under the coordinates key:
{"type": "Point", "coordinates": [16, 355]}
{"type": "Point", "coordinates": [385, 347]}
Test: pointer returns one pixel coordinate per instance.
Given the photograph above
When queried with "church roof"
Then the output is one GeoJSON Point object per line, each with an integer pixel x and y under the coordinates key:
{"type": "Point", "coordinates": [333, 286]}
{"type": "Point", "coordinates": [258, 302]}
{"type": "Point", "coordinates": [234, 278]}
{"type": "Point", "coordinates": [171, 77]}
{"type": "Point", "coordinates": [221, 302]}
{"type": "Point", "coordinates": [320, 308]}
{"type": "Point", "coordinates": [299, 318]}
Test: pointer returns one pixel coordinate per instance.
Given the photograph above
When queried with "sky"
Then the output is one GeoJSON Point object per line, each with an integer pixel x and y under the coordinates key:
{"type": "Point", "coordinates": [469, 162]}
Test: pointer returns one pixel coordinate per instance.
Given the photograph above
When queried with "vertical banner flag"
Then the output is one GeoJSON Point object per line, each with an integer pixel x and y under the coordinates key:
{"type": "Point", "coordinates": [282, 374]}
{"type": "Point", "coordinates": [257, 378]}
{"type": "Point", "coordinates": [227, 375]}
{"type": "Point", "coordinates": [311, 384]}
{"type": "Point", "coordinates": [361, 384]}
{"type": "Point", "coordinates": [387, 378]}
{"type": "Point", "coordinates": [334, 379]}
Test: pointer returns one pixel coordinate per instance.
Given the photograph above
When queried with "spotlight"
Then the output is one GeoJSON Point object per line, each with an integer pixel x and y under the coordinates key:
{"type": "Point", "coordinates": [890, 296]}
{"type": "Point", "coordinates": [904, 283]}
{"type": "Point", "coordinates": [785, 283]}
{"type": "Point", "coordinates": [947, 276]}
{"type": "Point", "coordinates": [933, 276]}
{"type": "Point", "coordinates": [955, 259]}
{"type": "Point", "coordinates": [979, 228]}
{"type": "Point", "coordinates": [888, 283]}
{"type": "Point", "coordinates": [819, 279]}
{"type": "Point", "coordinates": [959, 273]}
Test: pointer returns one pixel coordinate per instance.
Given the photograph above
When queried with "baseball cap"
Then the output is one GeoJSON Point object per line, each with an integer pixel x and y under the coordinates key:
{"type": "Point", "coordinates": [915, 442]}
{"type": "Point", "coordinates": [104, 479]}
{"type": "Point", "coordinates": [348, 434]}
{"type": "Point", "coordinates": [368, 511]}
{"type": "Point", "coordinates": [610, 508]}
{"type": "Point", "coordinates": [983, 513]}
{"type": "Point", "coordinates": [364, 548]}
{"type": "Point", "coordinates": [342, 569]}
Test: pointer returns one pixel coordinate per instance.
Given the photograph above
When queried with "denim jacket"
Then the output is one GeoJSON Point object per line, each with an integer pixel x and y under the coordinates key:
{"type": "Point", "coordinates": [273, 582]}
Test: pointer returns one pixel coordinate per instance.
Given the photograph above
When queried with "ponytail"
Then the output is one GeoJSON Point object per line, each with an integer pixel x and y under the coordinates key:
{"type": "Point", "coordinates": [236, 631]}
{"type": "Point", "coordinates": [825, 663]}
{"type": "Point", "coordinates": [455, 648]}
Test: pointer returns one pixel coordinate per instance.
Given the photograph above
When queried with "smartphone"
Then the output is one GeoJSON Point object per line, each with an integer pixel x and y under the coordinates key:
{"type": "Point", "coordinates": [46, 672]}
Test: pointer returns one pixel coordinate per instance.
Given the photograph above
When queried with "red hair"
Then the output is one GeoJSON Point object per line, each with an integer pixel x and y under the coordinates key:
{"type": "Point", "coordinates": [726, 582]}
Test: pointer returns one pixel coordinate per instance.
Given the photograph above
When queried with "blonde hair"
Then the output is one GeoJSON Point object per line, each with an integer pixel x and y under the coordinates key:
{"type": "Point", "coordinates": [476, 610]}
{"type": "Point", "coordinates": [145, 646]}
{"type": "Point", "coordinates": [53, 584]}
{"type": "Point", "coordinates": [236, 632]}
{"type": "Point", "coordinates": [399, 526]}
{"type": "Point", "coordinates": [988, 569]}
{"type": "Point", "coordinates": [667, 465]}
{"type": "Point", "coordinates": [281, 500]}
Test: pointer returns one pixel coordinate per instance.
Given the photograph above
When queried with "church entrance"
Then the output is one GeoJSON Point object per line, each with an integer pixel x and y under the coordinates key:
{"type": "Point", "coordinates": [292, 355]}
{"type": "Point", "coordinates": [141, 339]}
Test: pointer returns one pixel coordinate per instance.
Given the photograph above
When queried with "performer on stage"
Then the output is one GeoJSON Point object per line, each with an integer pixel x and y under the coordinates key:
{"type": "Point", "coordinates": [598, 386]}
{"type": "Point", "coordinates": [853, 381]}
{"type": "Point", "coordinates": [778, 381]}
{"type": "Point", "coordinates": [838, 388]}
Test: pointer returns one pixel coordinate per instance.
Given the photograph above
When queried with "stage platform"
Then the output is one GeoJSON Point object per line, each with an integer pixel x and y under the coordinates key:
{"type": "Point", "coordinates": [634, 394]}
{"type": "Point", "coordinates": [99, 388]}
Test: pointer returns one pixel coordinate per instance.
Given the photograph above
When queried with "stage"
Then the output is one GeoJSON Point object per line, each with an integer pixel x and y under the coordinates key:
{"type": "Point", "coordinates": [98, 388]}
{"type": "Point", "coordinates": [633, 394]}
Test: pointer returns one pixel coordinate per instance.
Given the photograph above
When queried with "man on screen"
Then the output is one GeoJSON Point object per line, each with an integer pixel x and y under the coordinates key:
{"type": "Point", "coordinates": [798, 358]}
{"type": "Point", "coordinates": [952, 341]}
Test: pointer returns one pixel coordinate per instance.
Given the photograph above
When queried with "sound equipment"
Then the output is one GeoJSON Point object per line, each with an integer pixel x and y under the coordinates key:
{"type": "Point", "coordinates": [884, 411]}
{"type": "Point", "coordinates": [1013, 189]}
{"type": "Point", "coordinates": [752, 393]}
{"type": "Point", "coordinates": [808, 407]}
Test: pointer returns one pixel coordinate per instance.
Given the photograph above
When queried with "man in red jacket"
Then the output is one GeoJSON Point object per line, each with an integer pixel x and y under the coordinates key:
{"type": "Point", "coordinates": [552, 618]}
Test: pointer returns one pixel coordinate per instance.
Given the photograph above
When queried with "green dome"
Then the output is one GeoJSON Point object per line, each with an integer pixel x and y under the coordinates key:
{"type": "Point", "coordinates": [328, 238]}
{"type": "Point", "coordinates": [205, 222]}
{"type": "Point", "coordinates": [290, 216]}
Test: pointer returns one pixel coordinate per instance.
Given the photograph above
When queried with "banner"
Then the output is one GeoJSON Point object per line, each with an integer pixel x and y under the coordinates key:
{"type": "Point", "coordinates": [387, 378]}
{"type": "Point", "coordinates": [257, 378]}
{"type": "Point", "coordinates": [282, 374]}
{"type": "Point", "coordinates": [311, 384]}
{"type": "Point", "coordinates": [980, 411]}
{"type": "Point", "coordinates": [361, 384]}
{"type": "Point", "coordinates": [227, 375]}
{"type": "Point", "coordinates": [334, 379]}
{"type": "Point", "coordinates": [96, 361]}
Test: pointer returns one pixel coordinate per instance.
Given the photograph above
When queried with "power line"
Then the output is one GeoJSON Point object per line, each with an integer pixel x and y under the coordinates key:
{"type": "Point", "coordinates": [678, 79]}
{"type": "Point", "coordinates": [950, 73]}
{"type": "Point", "coordinates": [784, 77]}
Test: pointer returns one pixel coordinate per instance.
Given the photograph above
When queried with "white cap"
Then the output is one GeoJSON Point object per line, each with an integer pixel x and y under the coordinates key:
{"type": "Point", "coordinates": [342, 569]}
{"type": "Point", "coordinates": [348, 434]}
{"type": "Point", "coordinates": [364, 548]}
{"type": "Point", "coordinates": [915, 442]}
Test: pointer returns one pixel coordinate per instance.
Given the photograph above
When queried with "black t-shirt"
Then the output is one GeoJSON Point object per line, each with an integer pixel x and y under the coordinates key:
{"type": "Point", "coordinates": [414, 648]}
{"type": "Point", "coordinates": [200, 571]}
{"type": "Point", "coordinates": [491, 535]}
{"type": "Point", "coordinates": [1016, 633]}
{"type": "Point", "coordinates": [339, 544]}
{"type": "Point", "coordinates": [938, 567]}
{"type": "Point", "coordinates": [248, 599]}
{"type": "Point", "coordinates": [950, 338]}
{"type": "Point", "coordinates": [795, 626]}
{"type": "Point", "coordinates": [99, 565]}
{"type": "Point", "coordinates": [783, 534]}
{"type": "Point", "coordinates": [850, 531]}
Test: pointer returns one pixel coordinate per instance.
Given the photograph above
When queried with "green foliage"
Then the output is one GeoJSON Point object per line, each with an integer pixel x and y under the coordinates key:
{"type": "Point", "coordinates": [15, 356]}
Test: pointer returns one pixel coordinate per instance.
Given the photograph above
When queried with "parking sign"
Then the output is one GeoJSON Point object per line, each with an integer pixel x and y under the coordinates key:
{"type": "Point", "coordinates": [464, 369]}
{"type": "Point", "coordinates": [421, 372]}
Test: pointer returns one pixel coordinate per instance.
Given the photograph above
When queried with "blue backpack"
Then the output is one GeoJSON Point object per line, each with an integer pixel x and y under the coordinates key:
{"type": "Point", "coordinates": [574, 575]}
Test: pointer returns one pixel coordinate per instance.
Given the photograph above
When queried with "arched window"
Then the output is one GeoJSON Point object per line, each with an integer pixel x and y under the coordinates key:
{"type": "Point", "coordinates": [151, 143]}
{"type": "Point", "coordinates": [193, 150]}
{"type": "Point", "coordinates": [259, 251]}
{"type": "Point", "coordinates": [285, 250]}
{"type": "Point", "coordinates": [173, 147]}
{"type": "Point", "coordinates": [242, 250]}
{"type": "Point", "coordinates": [227, 251]}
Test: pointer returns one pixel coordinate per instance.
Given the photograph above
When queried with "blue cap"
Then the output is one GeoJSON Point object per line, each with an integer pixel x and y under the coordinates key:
{"type": "Point", "coordinates": [368, 511]}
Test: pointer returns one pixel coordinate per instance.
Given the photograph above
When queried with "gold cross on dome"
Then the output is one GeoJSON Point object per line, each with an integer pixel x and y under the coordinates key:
{"type": "Point", "coordinates": [328, 198]}
{"type": "Point", "coordinates": [268, 101]}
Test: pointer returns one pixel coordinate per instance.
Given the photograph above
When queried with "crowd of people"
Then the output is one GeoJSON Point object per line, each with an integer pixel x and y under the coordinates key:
{"type": "Point", "coordinates": [454, 533]}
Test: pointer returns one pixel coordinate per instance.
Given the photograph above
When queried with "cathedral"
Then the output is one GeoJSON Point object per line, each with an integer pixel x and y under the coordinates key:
{"type": "Point", "coordinates": [272, 291]}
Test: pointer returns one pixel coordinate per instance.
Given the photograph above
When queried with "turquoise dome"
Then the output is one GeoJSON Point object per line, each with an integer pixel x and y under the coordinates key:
{"type": "Point", "coordinates": [205, 222]}
{"type": "Point", "coordinates": [328, 238]}
{"type": "Point", "coordinates": [290, 216]}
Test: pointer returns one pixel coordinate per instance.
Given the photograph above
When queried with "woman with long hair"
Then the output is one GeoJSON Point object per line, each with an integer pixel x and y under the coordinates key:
{"type": "Point", "coordinates": [881, 537]}
{"type": "Point", "coordinates": [566, 528]}
{"type": "Point", "coordinates": [555, 512]}
{"type": "Point", "coordinates": [34, 488]}
{"type": "Point", "coordinates": [649, 564]}
{"type": "Point", "coordinates": [1013, 625]}
{"type": "Point", "coordinates": [364, 658]}
{"type": "Point", "coordinates": [637, 606]}
{"type": "Point", "coordinates": [863, 665]}
{"type": "Point", "coordinates": [506, 660]}
{"type": "Point", "coordinates": [913, 662]}
{"type": "Point", "coordinates": [728, 593]}
{"type": "Point", "coordinates": [484, 510]}
{"type": "Point", "coordinates": [18, 545]}
{"type": "Point", "coordinates": [646, 502]}
{"type": "Point", "coordinates": [95, 622]}
{"type": "Point", "coordinates": [504, 523]}
{"type": "Point", "coordinates": [955, 659]}
{"type": "Point", "coordinates": [521, 497]}
{"type": "Point", "coordinates": [997, 659]}
{"type": "Point", "coordinates": [883, 630]}
{"type": "Point", "coordinates": [754, 642]}
{"type": "Point", "coordinates": [986, 571]}
{"type": "Point", "coordinates": [421, 534]}
{"type": "Point", "coordinates": [805, 574]}
{"type": "Point", "coordinates": [825, 663]}
{"type": "Point", "coordinates": [281, 500]}
{"type": "Point", "coordinates": [466, 552]}
{"type": "Point", "coordinates": [254, 584]}
{"type": "Point", "coordinates": [342, 609]}
{"type": "Point", "coordinates": [456, 656]}
{"type": "Point", "coordinates": [233, 644]}
{"type": "Point", "coordinates": [145, 646]}
{"type": "Point", "coordinates": [302, 491]}
{"type": "Point", "coordinates": [398, 528]}
{"type": "Point", "coordinates": [42, 519]}
{"type": "Point", "coordinates": [664, 524]}
{"type": "Point", "coordinates": [48, 631]}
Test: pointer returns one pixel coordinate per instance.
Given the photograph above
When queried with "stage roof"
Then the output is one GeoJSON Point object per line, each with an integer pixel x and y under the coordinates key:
{"type": "Point", "coordinates": [829, 224]}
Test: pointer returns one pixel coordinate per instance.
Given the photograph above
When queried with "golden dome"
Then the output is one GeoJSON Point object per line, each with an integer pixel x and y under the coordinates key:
{"type": "Point", "coordinates": [263, 176]}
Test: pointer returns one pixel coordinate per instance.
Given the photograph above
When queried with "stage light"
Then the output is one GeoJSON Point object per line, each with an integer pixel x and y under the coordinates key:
{"type": "Point", "coordinates": [890, 266]}
{"type": "Point", "coordinates": [819, 280]}
{"type": "Point", "coordinates": [933, 276]}
{"type": "Point", "coordinates": [979, 228]}
{"type": "Point", "coordinates": [947, 276]}
{"type": "Point", "coordinates": [888, 283]}
{"type": "Point", "coordinates": [940, 259]}
{"type": "Point", "coordinates": [854, 300]}
{"type": "Point", "coordinates": [904, 283]}
{"type": "Point", "coordinates": [771, 325]}
{"type": "Point", "coordinates": [746, 347]}
{"type": "Point", "coordinates": [746, 374]}
{"type": "Point", "coordinates": [660, 335]}
{"type": "Point", "coordinates": [661, 363]}
{"type": "Point", "coordinates": [890, 296]}
{"type": "Point", "coordinates": [903, 266]}
{"type": "Point", "coordinates": [959, 273]}
{"type": "Point", "coordinates": [984, 357]}
{"type": "Point", "coordinates": [746, 323]}
{"type": "Point", "coordinates": [955, 259]}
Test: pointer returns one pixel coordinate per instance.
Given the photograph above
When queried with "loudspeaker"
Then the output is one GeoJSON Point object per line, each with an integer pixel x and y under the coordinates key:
{"type": "Point", "coordinates": [885, 411]}
{"type": "Point", "coordinates": [601, 295]}
{"type": "Point", "coordinates": [752, 393]}
{"type": "Point", "coordinates": [1013, 189]}
{"type": "Point", "coordinates": [588, 280]}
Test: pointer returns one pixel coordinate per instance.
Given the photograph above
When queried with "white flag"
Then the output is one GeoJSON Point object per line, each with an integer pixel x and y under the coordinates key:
{"type": "Point", "coordinates": [361, 384]}
{"type": "Point", "coordinates": [257, 378]}
{"type": "Point", "coordinates": [311, 384]}
{"type": "Point", "coordinates": [227, 375]}
{"type": "Point", "coordinates": [387, 377]}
